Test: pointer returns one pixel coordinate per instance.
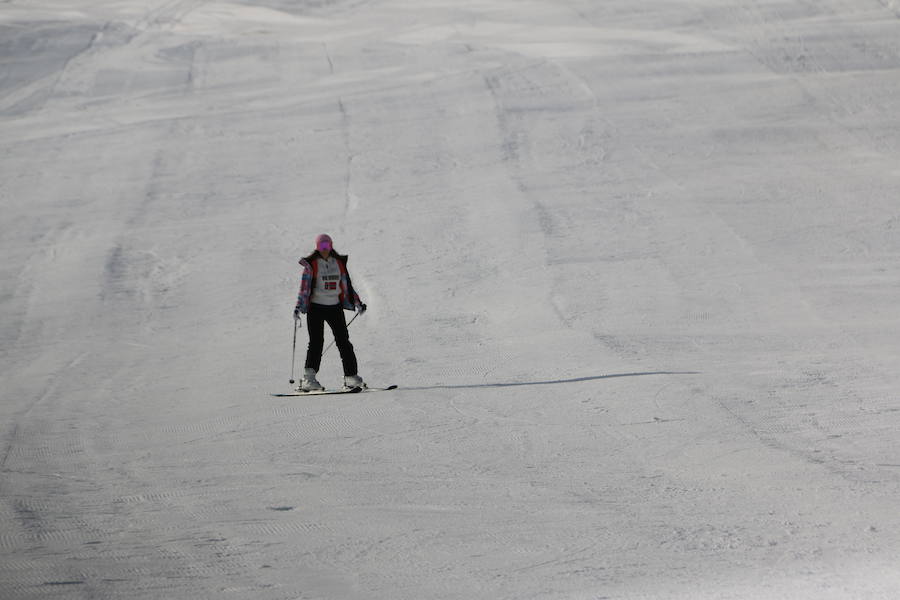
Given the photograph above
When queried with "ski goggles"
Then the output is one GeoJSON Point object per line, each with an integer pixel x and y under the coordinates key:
{"type": "Point", "coordinates": [323, 245]}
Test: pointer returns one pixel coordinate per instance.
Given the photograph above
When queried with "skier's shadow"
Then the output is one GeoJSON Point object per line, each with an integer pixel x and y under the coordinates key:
{"type": "Point", "coordinates": [470, 386]}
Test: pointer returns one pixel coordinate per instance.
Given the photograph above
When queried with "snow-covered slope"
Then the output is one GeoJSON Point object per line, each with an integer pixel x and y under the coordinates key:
{"type": "Point", "coordinates": [633, 264]}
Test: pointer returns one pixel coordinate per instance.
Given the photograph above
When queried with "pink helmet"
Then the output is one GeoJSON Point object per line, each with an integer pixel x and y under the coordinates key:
{"type": "Point", "coordinates": [323, 242]}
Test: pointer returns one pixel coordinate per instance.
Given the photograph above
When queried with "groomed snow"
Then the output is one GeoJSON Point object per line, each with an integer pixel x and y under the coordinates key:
{"type": "Point", "coordinates": [635, 266]}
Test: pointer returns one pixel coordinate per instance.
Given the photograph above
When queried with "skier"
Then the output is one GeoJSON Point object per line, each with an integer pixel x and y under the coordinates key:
{"type": "Point", "coordinates": [325, 292]}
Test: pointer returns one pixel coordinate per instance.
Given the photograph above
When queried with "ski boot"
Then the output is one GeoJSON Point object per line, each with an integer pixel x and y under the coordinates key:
{"type": "Point", "coordinates": [309, 383]}
{"type": "Point", "coordinates": [353, 381]}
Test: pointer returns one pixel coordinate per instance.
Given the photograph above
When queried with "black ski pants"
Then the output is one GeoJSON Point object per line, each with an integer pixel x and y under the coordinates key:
{"type": "Point", "coordinates": [316, 318]}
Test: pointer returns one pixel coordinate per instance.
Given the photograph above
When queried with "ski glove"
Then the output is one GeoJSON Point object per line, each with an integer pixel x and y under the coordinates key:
{"type": "Point", "coordinates": [297, 314]}
{"type": "Point", "coordinates": [360, 308]}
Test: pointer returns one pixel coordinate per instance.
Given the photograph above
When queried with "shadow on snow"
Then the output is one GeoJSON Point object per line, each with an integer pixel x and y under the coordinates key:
{"type": "Point", "coordinates": [550, 382]}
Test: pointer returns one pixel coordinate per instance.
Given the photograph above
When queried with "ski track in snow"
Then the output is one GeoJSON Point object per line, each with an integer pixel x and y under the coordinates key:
{"type": "Point", "coordinates": [633, 265]}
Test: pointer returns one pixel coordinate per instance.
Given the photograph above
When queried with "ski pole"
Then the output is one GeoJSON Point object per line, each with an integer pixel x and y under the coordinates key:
{"type": "Point", "coordinates": [294, 351]}
{"type": "Point", "coordinates": [349, 323]}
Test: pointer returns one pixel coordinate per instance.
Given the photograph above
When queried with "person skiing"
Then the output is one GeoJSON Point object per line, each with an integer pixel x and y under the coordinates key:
{"type": "Point", "coordinates": [326, 290]}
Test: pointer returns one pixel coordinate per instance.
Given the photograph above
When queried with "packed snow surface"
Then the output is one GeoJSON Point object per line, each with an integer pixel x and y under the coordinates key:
{"type": "Point", "coordinates": [635, 267]}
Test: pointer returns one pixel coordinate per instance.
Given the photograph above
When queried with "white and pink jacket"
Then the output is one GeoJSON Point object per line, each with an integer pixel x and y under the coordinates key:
{"type": "Point", "coordinates": [310, 281]}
